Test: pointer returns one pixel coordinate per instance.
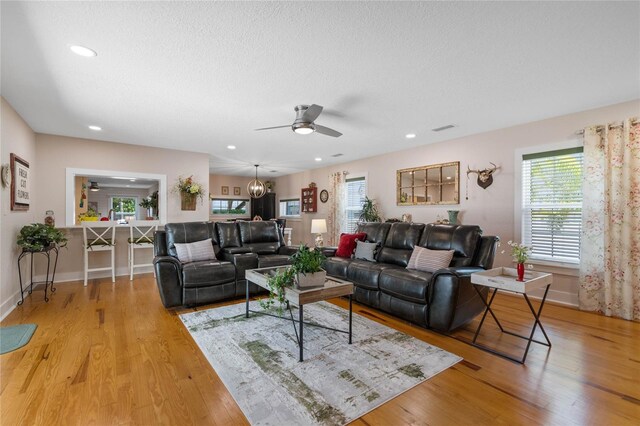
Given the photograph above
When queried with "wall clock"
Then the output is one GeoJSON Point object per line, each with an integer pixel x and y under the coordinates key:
{"type": "Point", "coordinates": [324, 195]}
{"type": "Point", "coordinates": [6, 175]}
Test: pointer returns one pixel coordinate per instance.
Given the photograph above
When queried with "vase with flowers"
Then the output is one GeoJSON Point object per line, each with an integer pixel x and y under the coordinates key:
{"type": "Point", "coordinates": [190, 191]}
{"type": "Point", "coordinates": [520, 254]}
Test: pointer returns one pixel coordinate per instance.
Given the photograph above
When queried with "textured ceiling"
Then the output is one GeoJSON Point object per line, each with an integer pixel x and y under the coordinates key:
{"type": "Point", "coordinates": [199, 76]}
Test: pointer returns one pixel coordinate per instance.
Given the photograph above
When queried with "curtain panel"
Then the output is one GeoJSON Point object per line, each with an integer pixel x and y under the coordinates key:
{"type": "Point", "coordinates": [610, 240]}
{"type": "Point", "coordinates": [337, 207]}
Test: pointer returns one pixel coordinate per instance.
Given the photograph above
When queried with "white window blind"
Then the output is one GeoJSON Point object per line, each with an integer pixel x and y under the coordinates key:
{"type": "Point", "coordinates": [356, 191]}
{"type": "Point", "coordinates": [552, 204]}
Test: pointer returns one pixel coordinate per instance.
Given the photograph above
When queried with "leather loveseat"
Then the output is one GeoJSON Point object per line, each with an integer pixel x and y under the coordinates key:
{"type": "Point", "coordinates": [238, 246]}
{"type": "Point", "coordinates": [443, 300]}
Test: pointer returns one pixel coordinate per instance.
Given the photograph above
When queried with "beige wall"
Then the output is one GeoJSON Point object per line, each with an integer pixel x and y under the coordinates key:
{"type": "Point", "coordinates": [18, 138]}
{"type": "Point", "coordinates": [491, 208]}
{"type": "Point", "coordinates": [54, 154]}
{"type": "Point", "coordinates": [216, 182]}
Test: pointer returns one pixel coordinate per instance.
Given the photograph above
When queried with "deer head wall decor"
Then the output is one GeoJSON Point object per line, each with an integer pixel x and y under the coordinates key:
{"type": "Point", "coordinates": [485, 178]}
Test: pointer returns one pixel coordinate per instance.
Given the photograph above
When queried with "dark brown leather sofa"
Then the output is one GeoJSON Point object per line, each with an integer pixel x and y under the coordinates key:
{"type": "Point", "coordinates": [238, 246]}
{"type": "Point", "coordinates": [443, 300]}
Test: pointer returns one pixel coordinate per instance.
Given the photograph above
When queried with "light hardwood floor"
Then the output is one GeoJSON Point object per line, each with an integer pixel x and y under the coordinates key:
{"type": "Point", "coordinates": [110, 354]}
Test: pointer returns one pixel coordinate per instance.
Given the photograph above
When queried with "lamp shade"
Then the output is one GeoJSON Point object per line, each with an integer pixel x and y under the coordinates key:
{"type": "Point", "coordinates": [318, 226]}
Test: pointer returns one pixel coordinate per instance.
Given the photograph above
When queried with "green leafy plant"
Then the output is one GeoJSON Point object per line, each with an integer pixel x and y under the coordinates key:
{"type": "Point", "coordinates": [38, 236]}
{"type": "Point", "coordinates": [304, 261]}
{"type": "Point", "coordinates": [370, 211]}
{"type": "Point", "coordinates": [150, 202]}
{"type": "Point", "coordinates": [189, 187]}
{"type": "Point", "coordinates": [91, 213]}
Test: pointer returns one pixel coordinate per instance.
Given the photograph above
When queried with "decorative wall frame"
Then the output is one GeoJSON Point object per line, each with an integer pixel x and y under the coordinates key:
{"type": "Point", "coordinates": [225, 190]}
{"type": "Point", "coordinates": [436, 184]}
{"type": "Point", "coordinates": [236, 190]}
{"type": "Point", "coordinates": [20, 184]}
{"type": "Point", "coordinates": [324, 195]}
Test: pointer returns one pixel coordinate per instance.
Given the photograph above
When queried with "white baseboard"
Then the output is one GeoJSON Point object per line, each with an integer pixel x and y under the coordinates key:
{"type": "Point", "coordinates": [9, 305]}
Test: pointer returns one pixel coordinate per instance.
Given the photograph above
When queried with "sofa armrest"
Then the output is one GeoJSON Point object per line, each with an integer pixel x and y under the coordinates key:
{"type": "Point", "coordinates": [236, 250]}
{"type": "Point", "coordinates": [453, 301]}
{"type": "Point", "coordinates": [329, 251]}
{"type": "Point", "coordinates": [169, 280]}
{"type": "Point", "coordinates": [242, 262]}
{"type": "Point", "coordinates": [287, 250]}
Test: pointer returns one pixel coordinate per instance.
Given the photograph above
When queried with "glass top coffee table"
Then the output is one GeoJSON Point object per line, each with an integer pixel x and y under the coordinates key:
{"type": "Point", "coordinates": [333, 287]}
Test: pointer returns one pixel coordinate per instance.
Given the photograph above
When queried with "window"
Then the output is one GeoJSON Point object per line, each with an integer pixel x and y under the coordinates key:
{"type": "Point", "coordinates": [123, 207]}
{"type": "Point", "coordinates": [290, 207]}
{"type": "Point", "coordinates": [552, 204]}
{"type": "Point", "coordinates": [356, 191]}
{"type": "Point", "coordinates": [222, 206]}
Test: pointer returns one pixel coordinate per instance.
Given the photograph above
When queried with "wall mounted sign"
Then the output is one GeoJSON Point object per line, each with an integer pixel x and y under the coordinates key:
{"type": "Point", "coordinates": [20, 184]}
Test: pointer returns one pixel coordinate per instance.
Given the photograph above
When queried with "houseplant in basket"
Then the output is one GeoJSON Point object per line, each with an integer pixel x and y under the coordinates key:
{"type": "Point", "coordinates": [189, 191]}
{"type": "Point", "coordinates": [304, 272]}
{"type": "Point", "coordinates": [39, 237]}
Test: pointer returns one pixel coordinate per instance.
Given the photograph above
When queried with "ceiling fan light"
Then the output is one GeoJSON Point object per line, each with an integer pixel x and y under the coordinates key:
{"type": "Point", "coordinates": [304, 128]}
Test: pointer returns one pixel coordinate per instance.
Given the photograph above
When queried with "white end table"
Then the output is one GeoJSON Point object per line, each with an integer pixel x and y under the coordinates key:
{"type": "Point", "coordinates": [505, 279]}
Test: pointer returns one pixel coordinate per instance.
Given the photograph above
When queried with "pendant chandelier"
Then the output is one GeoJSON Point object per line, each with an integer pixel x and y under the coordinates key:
{"type": "Point", "coordinates": [256, 188]}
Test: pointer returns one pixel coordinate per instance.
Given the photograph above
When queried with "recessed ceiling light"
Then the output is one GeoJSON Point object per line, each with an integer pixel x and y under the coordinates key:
{"type": "Point", "coordinates": [95, 128]}
{"type": "Point", "coordinates": [318, 159]}
{"type": "Point", "coordinates": [410, 135]}
{"type": "Point", "coordinates": [231, 147]}
{"type": "Point", "coordinates": [83, 51]}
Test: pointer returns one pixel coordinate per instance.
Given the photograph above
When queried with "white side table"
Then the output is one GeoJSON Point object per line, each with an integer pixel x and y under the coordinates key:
{"type": "Point", "coordinates": [505, 279]}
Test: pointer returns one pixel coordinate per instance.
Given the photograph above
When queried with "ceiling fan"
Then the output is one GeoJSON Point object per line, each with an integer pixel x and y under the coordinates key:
{"type": "Point", "coordinates": [304, 122]}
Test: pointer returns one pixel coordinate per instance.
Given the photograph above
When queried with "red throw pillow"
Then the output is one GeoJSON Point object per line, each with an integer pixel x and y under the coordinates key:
{"type": "Point", "coordinates": [347, 244]}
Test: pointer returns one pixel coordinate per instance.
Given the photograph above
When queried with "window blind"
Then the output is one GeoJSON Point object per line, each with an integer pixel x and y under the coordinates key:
{"type": "Point", "coordinates": [552, 204]}
{"type": "Point", "coordinates": [355, 188]}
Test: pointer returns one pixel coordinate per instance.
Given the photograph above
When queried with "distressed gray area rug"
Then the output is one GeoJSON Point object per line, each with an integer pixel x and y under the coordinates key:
{"type": "Point", "coordinates": [257, 359]}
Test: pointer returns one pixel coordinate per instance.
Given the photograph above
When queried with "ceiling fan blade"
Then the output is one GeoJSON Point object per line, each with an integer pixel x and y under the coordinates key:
{"type": "Point", "coordinates": [311, 113]}
{"type": "Point", "coordinates": [276, 127]}
{"type": "Point", "coordinates": [327, 131]}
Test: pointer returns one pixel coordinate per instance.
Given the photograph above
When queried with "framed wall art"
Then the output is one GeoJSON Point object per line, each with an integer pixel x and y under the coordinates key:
{"type": "Point", "coordinates": [225, 190]}
{"type": "Point", "coordinates": [20, 184]}
{"type": "Point", "coordinates": [236, 190]}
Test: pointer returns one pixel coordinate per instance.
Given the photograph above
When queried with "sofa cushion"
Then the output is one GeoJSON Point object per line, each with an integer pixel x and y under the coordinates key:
{"type": "Point", "coordinates": [464, 239]}
{"type": "Point", "coordinates": [365, 274]}
{"type": "Point", "coordinates": [427, 260]}
{"type": "Point", "coordinates": [347, 244]}
{"type": "Point", "coordinates": [189, 232]}
{"type": "Point", "coordinates": [406, 284]}
{"type": "Point", "coordinates": [262, 237]}
{"type": "Point", "coordinates": [228, 234]}
{"type": "Point", "coordinates": [365, 251]}
{"type": "Point", "coordinates": [196, 251]}
{"type": "Point", "coordinates": [401, 240]}
{"type": "Point", "coordinates": [337, 266]}
{"type": "Point", "coordinates": [376, 231]}
{"type": "Point", "coordinates": [269, 260]}
{"type": "Point", "coordinates": [207, 273]}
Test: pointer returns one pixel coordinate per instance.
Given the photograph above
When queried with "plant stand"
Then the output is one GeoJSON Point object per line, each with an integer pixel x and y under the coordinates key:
{"type": "Point", "coordinates": [47, 253]}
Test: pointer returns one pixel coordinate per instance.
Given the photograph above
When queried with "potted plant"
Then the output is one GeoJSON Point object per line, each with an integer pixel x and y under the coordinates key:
{"type": "Point", "coordinates": [90, 216]}
{"type": "Point", "coordinates": [270, 185]}
{"type": "Point", "coordinates": [39, 237]}
{"type": "Point", "coordinates": [305, 272]}
{"type": "Point", "coordinates": [370, 211]}
{"type": "Point", "coordinates": [151, 204]}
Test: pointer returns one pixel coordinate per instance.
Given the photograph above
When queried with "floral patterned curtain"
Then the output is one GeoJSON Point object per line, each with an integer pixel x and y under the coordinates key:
{"type": "Point", "coordinates": [337, 207]}
{"type": "Point", "coordinates": [610, 243]}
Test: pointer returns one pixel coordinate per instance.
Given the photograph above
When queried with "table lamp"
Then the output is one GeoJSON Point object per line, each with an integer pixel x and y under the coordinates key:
{"type": "Point", "coordinates": [318, 227]}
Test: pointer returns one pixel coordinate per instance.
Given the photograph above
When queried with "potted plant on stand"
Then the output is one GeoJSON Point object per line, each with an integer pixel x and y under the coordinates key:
{"type": "Point", "coordinates": [39, 237]}
{"type": "Point", "coordinates": [304, 272]}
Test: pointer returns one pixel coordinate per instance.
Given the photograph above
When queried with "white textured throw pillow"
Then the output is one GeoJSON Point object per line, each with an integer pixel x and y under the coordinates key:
{"type": "Point", "coordinates": [196, 251]}
{"type": "Point", "coordinates": [427, 260]}
{"type": "Point", "coordinates": [365, 251]}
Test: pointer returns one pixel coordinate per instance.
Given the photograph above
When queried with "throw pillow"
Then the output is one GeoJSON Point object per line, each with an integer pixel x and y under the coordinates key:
{"type": "Point", "coordinates": [347, 244]}
{"type": "Point", "coordinates": [427, 260]}
{"type": "Point", "coordinates": [365, 251]}
{"type": "Point", "coordinates": [196, 251]}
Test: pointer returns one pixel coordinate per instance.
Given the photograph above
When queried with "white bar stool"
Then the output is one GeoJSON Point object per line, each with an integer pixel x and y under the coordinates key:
{"type": "Point", "coordinates": [141, 234]}
{"type": "Point", "coordinates": [99, 236]}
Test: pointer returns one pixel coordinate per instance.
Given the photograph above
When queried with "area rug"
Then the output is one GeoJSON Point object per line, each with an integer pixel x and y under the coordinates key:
{"type": "Point", "coordinates": [257, 359]}
{"type": "Point", "coordinates": [15, 336]}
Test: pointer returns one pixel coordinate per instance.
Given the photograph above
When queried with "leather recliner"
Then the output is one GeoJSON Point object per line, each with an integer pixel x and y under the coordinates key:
{"type": "Point", "coordinates": [443, 300]}
{"type": "Point", "coordinates": [238, 246]}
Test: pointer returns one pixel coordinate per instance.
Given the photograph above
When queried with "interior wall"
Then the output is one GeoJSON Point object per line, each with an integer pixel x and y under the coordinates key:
{"type": "Point", "coordinates": [491, 208]}
{"type": "Point", "coordinates": [216, 182]}
{"type": "Point", "coordinates": [18, 138]}
{"type": "Point", "coordinates": [54, 154]}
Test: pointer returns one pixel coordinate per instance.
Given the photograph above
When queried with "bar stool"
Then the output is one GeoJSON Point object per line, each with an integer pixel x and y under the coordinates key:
{"type": "Point", "coordinates": [141, 233]}
{"type": "Point", "coordinates": [99, 236]}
